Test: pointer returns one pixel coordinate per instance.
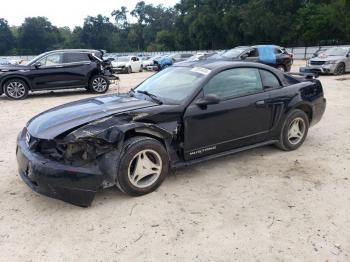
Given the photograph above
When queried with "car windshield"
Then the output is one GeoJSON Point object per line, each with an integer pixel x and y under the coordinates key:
{"type": "Point", "coordinates": [123, 59]}
{"type": "Point", "coordinates": [235, 52]}
{"type": "Point", "coordinates": [336, 51]}
{"type": "Point", "coordinates": [174, 84]}
{"type": "Point", "coordinates": [33, 60]}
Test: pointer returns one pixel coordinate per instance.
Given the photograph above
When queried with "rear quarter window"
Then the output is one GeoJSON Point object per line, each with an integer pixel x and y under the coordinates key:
{"type": "Point", "coordinates": [269, 79]}
{"type": "Point", "coordinates": [76, 57]}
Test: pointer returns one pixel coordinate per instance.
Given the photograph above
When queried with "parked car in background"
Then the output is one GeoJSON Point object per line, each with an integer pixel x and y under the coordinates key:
{"type": "Point", "coordinates": [319, 51]}
{"type": "Point", "coordinates": [59, 69]}
{"type": "Point", "coordinates": [180, 116]}
{"type": "Point", "coordinates": [180, 57]}
{"type": "Point", "coordinates": [335, 61]}
{"type": "Point", "coordinates": [149, 63]}
{"type": "Point", "coordinates": [163, 62]}
{"type": "Point", "coordinates": [200, 56]}
{"type": "Point", "coordinates": [127, 64]}
{"type": "Point", "coordinates": [4, 61]}
{"type": "Point", "coordinates": [271, 55]}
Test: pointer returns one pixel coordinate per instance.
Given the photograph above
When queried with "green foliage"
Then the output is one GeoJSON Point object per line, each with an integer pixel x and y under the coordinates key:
{"type": "Point", "coordinates": [37, 35]}
{"type": "Point", "coordinates": [6, 38]}
{"type": "Point", "coordinates": [190, 24]}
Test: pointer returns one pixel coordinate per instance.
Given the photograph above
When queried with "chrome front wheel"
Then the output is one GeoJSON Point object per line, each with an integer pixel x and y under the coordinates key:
{"type": "Point", "coordinates": [16, 89]}
{"type": "Point", "coordinates": [145, 168]}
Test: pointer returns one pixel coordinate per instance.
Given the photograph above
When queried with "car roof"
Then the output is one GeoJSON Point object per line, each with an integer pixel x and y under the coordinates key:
{"type": "Point", "coordinates": [74, 51]}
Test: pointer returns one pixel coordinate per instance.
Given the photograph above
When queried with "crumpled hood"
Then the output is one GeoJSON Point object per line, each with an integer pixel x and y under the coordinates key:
{"type": "Point", "coordinates": [6, 68]}
{"type": "Point", "coordinates": [55, 121]}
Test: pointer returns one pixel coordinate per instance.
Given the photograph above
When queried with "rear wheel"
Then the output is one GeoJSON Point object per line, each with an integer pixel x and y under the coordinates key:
{"type": "Point", "coordinates": [98, 84]}
{"type": "Point", "coordinates": [16, 89]}
{"type": "Point", "coordinates": [141, 68]}
{"type": "Point", "coordinates": [143, 166]}
{"type": "Point", "coordinates": [340, 69]}
{"type": "Point", "coordinates": [294, 130]}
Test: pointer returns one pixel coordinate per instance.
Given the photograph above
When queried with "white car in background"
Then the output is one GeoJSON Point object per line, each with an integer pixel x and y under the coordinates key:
{"type": "Point", "coordinates": [127, 64]}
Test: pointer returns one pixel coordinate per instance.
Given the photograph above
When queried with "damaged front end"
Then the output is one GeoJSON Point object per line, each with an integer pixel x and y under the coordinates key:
{"type": "Point", "coordinates": [73, 166]}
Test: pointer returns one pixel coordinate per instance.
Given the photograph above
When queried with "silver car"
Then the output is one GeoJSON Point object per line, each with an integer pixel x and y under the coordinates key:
{"type": "Point", "coordinates": [335, 60]}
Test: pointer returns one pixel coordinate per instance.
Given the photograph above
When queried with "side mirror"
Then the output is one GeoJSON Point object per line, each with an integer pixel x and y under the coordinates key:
{"type": "Point", "coordinates": [37, 64]}
{"type": "Point", "coordinates": [210, 99]}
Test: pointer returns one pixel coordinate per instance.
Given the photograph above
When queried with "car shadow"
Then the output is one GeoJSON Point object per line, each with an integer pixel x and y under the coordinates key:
{"type": "Point", "coordinates": [57, 93]}
{"type": "Point", "coordinates": [193, 172]}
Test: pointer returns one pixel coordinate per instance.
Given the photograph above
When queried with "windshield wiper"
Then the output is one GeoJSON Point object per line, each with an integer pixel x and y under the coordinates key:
{"type": "Point", "coordinates": [154, 97]}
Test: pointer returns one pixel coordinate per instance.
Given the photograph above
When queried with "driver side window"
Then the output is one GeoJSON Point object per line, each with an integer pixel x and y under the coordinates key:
{"type": "Point", "coordinates": [253, 53]}
{"type": "Point", "coordinates": [51, 60]}
{"type": "Point", "coordinates": [234, 83]}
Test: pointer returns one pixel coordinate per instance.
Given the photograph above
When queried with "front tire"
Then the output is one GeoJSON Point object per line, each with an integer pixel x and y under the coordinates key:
{"type": "Point", "coordinates": [98, 84]}
{"type": "Point", "coordinates": [143, 166]}
{"type": "Point", "coordinates": [16, 89]}
{"type": "Point", "coordinates": [294, 130]}
{"type": "Point", "coordinates": [340, 69]}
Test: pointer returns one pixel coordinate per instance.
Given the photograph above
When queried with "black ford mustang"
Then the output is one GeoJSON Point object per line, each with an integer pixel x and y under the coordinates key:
{"type": "Point", "coordinates": [185, 114]}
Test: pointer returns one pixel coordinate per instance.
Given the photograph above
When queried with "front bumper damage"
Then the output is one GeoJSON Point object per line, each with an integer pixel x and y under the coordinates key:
{"type": "Point", "coordinates": [75, 185]}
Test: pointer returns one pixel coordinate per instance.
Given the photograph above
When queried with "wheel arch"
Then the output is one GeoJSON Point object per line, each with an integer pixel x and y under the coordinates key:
{"type": "Point", "coordinates": [147, 133]}
{"type": "Point", "coordinates": [7, 78]}
{"type": "Point", "coordinates": [307, 109]}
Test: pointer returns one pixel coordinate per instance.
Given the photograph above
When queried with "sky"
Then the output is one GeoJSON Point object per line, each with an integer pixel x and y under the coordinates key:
{"type": "Point", "coordinates": [66, 12]}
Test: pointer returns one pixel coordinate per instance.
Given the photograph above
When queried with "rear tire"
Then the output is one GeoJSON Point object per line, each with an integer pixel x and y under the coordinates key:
{"type": "Point", "coordinates": [98, 84]}
{"type": "Point", "coordinates": [143, 166]}
{"type": "Point", "coordinates": [141, 68]}
{"type": "Point", "coordinates": [294, 130]}
{"type": "Point", "coordinates": [16, 89]}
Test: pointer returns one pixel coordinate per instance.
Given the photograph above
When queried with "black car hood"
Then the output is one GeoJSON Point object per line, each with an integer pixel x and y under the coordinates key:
{"type": "Point", "coordinates": [6, 68]}
{"type": "Point", "coordinates": [55, 121]}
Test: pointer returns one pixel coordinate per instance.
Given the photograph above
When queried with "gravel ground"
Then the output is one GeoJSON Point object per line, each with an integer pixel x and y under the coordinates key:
{"type": "Point", "coordinates": [259, 205]}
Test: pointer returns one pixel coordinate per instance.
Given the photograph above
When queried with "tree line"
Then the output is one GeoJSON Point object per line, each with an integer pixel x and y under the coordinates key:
{"type": "Point", "coordinates": [189, 25]}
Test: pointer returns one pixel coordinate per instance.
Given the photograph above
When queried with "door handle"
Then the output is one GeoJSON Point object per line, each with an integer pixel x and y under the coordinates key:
{"type": "Point", "coordinates": [260, 103]}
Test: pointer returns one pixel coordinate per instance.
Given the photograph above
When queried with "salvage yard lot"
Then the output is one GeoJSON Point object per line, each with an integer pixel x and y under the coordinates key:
{"type": "Point", "coordinates": [259, 205]}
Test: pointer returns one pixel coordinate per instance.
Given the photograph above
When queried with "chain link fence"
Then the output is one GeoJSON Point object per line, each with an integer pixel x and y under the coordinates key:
{"type": "Point", "coordinates": [301, 53]}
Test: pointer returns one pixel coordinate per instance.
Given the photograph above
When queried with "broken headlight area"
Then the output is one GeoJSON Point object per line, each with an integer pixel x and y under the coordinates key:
{"type": "Point", "coordinates": [77, 153]}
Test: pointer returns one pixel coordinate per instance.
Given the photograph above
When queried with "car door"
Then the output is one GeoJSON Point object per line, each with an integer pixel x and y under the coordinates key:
{"type": "Point", "coordinates": [48, 72]}
{"type": "Point", "coordinates": [242, 117]}
{"type": "Point", "coordinates": [77, 67]}
{"type": "Point", "coordinates": [134, 64]}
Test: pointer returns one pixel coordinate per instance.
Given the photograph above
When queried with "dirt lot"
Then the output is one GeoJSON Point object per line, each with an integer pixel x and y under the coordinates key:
{"type": "Point", "coordinates": [260, 205]}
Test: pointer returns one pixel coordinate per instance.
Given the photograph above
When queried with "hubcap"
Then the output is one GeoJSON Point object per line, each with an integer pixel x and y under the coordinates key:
{"type": "Point", "coordinates": [145, 168]}
{"type": "Point", "coordinates": [296, 131]}
{"type": "Point", "coordinates": [99, 84]}
{"type": "Point", "coordinates": [16, 89]}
